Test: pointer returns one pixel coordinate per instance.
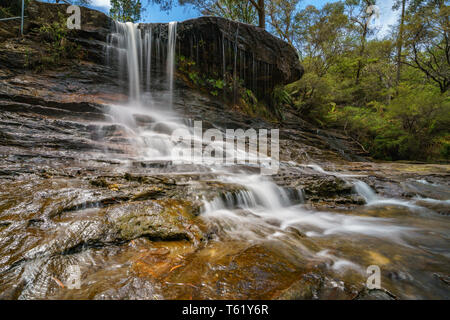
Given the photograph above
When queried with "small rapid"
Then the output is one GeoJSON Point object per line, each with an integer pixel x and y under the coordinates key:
{"type": "Point", "coordinates": [260, 204]}
{"type": "Point", "coordinates": [257, 209]}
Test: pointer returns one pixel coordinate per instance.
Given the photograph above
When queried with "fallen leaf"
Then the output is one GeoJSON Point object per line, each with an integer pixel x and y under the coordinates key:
{"type": "Point", "coordinates": [176, 267]}
{"type": "Point", "coordinates": [58, 282]}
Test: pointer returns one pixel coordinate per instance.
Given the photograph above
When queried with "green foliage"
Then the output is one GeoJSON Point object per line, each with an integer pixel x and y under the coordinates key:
{"type": "Point", "coordinates": [5, 12]}
{"type": "Point", "coordinates": [281, 99]}
{"type": "Point", "coordinates": [11, 8]}
{"type": "Point", "coordinates": [427, 38]}
{"type": "Point", "coordinates": [237, 10]}
{"type": "Point", "coordinates": [126, 10]}
{"type": "Point", "coordinates": [310, 94]}
{"type": "Point", "coordinates": [56, 44]}
{"type": "Point", "coordinates": [413, 126]}
{"type": "Point", "coordinates": [351, 80]}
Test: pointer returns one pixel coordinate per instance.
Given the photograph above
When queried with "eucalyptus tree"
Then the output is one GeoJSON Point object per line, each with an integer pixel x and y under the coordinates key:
{"type": "Point", "coordinates": [360, 15]}
{"type": "Point", "coordinates": [400, 4]}
{"type": "Point", "coordinates": [427, 33]}
{"type": "Point", "coordinates": [321, 36]}
{"type": "Point", "coordinates": [281, 15]}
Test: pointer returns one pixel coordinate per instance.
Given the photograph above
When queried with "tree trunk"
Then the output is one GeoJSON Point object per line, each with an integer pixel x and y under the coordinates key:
{"type": "Point", "coordinates": [400, 42]}
{"type": "Point", "coordinates": [361, 52]}
{"type": "Point", "coordinates": [262, 14]}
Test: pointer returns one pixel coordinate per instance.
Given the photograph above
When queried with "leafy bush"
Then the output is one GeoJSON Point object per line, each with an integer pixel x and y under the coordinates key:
{"type": "Point", "coordinates": [280, 100]}
{"type": "Point", "coordinates": [9, 8]}
{"type": "Point", "coordinates": [413, 127]}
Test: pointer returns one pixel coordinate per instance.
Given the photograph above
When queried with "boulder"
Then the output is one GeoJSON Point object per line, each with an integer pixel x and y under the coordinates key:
{"type": "Point", "coordinates": [259, 48]}
{"type": "Point", "coordinates": [223, 49]}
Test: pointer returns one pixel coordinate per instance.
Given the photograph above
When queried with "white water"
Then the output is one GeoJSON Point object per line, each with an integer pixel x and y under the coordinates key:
{"type": "Point", "coordinates": [372, 199]}
{"type": "Point", "coordinates": [132, 48]}
{"type": "Point", "coordinates": [148, 48]}
{"type": "Point", "coordinates": [264, 211]}
{"type": "Point", "coordinates": [172, 36]}
{"type": "Point", "coordinates": [126, 37]}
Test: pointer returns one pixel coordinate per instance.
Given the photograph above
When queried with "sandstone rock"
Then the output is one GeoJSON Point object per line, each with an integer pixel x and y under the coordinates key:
{"type": "Point", "coordinates": [375, 294]}
{"type": "Point", "coordinates": [328, 186]}
{"type": "Point", "coordinates": [164, 220]}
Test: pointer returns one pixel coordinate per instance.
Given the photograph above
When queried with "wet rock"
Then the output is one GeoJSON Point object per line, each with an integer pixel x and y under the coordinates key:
{"type": "Point", "coordinates": [400, 276]}
{"type": "Point", "coordinates": [327, 186]}
{"type": "Point", "coordinates": [205, 39]}
{"type": "Point", "coordinates": [99, 182]}
{"type": "Point", "coordinates": [157, 220]}
{"type": "Point", "coordinates": [234, 270]}
{"type": "Point", "coordinates": [375, 294]}
{"type": "Point", "coordinates": [307, 288]}
{"type": "Point", "coordinates": [150, 193]}
{"type": "Point", "coordinates": [444, 278]}
{"type": "Point", "coordinates": [95, 24]}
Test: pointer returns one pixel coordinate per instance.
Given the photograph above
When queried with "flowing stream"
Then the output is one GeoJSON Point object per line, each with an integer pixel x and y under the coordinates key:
{"type": "Point", "coordinates": [261, 210]}
{"type": "Point", "coordinates": [406, 238]}
{"type": "Point", "coordinates": [261, 202]}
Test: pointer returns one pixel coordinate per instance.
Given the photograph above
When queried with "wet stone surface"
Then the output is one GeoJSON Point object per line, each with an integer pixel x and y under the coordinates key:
{"type": "Point", "coordinates": [81, 187]}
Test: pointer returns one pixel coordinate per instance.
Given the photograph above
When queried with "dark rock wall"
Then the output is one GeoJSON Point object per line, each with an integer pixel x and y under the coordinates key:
{"type": "Point", "coordinates": [222, 49]}
{"type": "Point", "coordinates": [272, 56]}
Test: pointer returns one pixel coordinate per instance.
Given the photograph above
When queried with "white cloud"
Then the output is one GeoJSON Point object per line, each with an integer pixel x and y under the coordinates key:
{"type": "Point", "coordinates": [104, 4]}
{"type": "Point", "coordinates": [388, 17]}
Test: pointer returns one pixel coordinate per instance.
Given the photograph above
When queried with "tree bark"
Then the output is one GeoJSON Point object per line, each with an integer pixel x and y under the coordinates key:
{"type": "Point", "coordinates": [262, 14]}
{"type": "Point", "coordinates": [400, 43]}
{"type": "Point", "coordinates": [361, 52]}
{"type": "Point", "coordinates": [260, 6]}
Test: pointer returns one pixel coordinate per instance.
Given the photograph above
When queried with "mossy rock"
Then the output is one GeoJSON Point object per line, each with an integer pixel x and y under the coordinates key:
{"type": "Point", "coordinates": [155, 219]}
{"type": "Point", "coordinates": [328, 187]}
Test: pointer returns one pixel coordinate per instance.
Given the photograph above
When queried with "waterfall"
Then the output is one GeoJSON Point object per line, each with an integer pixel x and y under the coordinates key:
{"type": "Point", "coordinates": [148, 48]}
{"type": "Point", "coordinates": [260, 208]}
{"type": "Point", "coordinates": [366, 192]}
{"type": "Point", "coordinates": [132, 48]}
{"type": "Point", "coordinates": [171, 46]}
{"type": "Point", "coordinates": [126, 42]}
{"type": "Point", "coordinates": [372, 199]}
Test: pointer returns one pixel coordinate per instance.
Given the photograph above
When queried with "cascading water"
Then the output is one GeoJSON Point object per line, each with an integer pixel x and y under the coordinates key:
{"type": "Point", "coordinates": [148, 48]}
{"type": "Point", "coordinates": [102, 203]}
{"type": "Point", "coordinates": [260, 196]}
{"type": "Point", "coordinates": [172, 41]}
{"type": "Point", "coordinates": [260, 210]}
{"type": "Point", "coordinates": [127, 41]}
{"type": "Point", "coordinates": [132, 48]}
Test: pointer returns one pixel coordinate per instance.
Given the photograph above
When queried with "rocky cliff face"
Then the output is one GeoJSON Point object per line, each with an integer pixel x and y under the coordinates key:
{"type": "Point", "coordinates": [220, 47]}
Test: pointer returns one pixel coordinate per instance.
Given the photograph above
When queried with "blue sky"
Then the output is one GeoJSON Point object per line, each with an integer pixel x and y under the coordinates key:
{"type": "Point", "coordinates": [154, 14]}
